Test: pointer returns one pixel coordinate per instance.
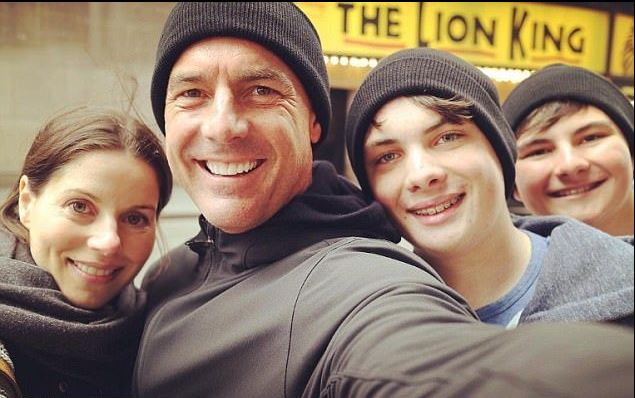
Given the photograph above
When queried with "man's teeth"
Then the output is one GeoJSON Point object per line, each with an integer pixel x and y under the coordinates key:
{"type": "Point", "coordinates": [92, 270]}
{"type": "Point", "coordinates": [430, 211]}
{"type": "Point", "coordinates": [230, 169]}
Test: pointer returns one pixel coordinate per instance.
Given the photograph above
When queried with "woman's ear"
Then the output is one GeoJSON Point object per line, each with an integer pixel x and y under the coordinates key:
{"type": "Point", "coordinates": [25, 201]}
{"type": "Point", "coordinates": [516, 195]}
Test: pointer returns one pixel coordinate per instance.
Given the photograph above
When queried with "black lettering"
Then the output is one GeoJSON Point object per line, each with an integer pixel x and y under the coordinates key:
{"type": "Point", "coordinates": [346, 8]}
{"type": "Point", "coordinates": [462, 25]}
{"type": "Point", "coordinates": [368, 20]}
{"type": "Point", "coordinates": [489, 35]}
{"type": "Point", "coordinates": [438, 26]}
{"type": "Point", "coordinates": [579, 46]}
{"type": "Point", "coordinates": [517, 26]}
{"type": "Point", "coordinates": [390, 22]}
{"type": "Point", "coordinates": [557, 41]}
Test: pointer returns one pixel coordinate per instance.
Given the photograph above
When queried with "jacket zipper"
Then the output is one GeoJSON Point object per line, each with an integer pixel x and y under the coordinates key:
{"type": "Point", "coordinates": [202, 247]}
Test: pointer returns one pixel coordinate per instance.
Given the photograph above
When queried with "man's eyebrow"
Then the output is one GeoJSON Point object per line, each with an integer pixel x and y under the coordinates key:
{"type": "Point", "coordinates": [249, 75]}
{"type": "Point", "coordinates": [255, 74]}
{"type": "Point", "coordinates": [183, 77]}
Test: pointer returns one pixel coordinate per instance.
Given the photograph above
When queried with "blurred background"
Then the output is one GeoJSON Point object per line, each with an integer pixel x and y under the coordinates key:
{"type": "Point", "coordinates": [54, 56]}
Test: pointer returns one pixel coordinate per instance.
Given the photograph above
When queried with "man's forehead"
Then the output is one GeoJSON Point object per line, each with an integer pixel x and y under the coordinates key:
{"type": "Point", "coordinates": [245, 59]}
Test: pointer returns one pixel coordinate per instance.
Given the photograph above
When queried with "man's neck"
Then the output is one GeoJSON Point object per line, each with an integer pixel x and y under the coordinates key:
{"type": "Point", "coordinates": [490, 268]}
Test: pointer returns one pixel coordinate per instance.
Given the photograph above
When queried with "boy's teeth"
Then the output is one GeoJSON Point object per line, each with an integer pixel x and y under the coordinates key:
{"type": "Point", "coordinates": [430, 211]}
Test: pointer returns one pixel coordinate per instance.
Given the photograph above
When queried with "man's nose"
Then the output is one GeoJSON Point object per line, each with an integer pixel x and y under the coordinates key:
{"type": "Point", "coordinates": [224, 120]}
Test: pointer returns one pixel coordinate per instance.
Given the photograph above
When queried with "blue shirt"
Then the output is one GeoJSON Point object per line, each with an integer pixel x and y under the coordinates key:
{"type": "Point", "coordinates": [506, 310]}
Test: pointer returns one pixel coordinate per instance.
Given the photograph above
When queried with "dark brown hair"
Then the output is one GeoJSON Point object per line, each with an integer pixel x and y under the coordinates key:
{"type": "Point", "coordinates": [74, 133]}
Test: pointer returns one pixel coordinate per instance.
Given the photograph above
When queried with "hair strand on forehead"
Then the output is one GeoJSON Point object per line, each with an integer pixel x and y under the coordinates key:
{"type": "Point", "coordinates": [547, 115]}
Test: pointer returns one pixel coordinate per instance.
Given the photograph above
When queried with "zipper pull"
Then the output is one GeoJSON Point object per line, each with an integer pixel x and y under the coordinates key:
{"type": "Point", "coordinates": [200, 244]}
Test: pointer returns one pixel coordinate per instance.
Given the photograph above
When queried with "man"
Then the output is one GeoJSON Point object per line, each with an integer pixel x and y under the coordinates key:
{"type": "Point", "coordinates": [428, 140]}
{"type": "Point", "coordinates": [276, 296]}
{"type": "Point", "coordinates": [575, 147]}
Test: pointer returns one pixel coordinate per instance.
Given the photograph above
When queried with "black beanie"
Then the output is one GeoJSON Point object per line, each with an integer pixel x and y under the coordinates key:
{"type": "Point", "coordinates": [564, 82]}
{"type": "Point", "coordinates": [425, 71]}
{"type": "Point", "coordinates": [280, 27]}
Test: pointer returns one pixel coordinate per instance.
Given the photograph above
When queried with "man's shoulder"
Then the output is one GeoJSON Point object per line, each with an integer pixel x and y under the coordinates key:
{"type": "Point", "coordinates": [368, 257]}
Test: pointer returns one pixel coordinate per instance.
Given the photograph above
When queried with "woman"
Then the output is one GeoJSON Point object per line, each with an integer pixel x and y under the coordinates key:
{"type": "Point", "coordinates": [75, 229]}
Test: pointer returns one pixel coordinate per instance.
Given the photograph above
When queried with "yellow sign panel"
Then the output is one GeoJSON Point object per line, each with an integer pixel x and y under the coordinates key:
{"type": "Point", "coordinates": [622, 50]}
{"type": "Point", "coordinates": [512, 35]}
{"type": "Point", "coordinates": [517, 35]}
{"type": "Point", "coordinates": [364, 28]}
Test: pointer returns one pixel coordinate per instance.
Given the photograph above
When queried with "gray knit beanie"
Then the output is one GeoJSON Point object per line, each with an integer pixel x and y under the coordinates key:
{"type": "Point", "coordinates": [563, 82]}
{"type": "Point", "coordinates": [425, 71]}
{"type": "Point", "coordinates": [280, 27]}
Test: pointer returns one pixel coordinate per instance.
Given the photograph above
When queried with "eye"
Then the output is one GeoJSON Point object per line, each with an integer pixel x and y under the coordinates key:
{"type": "Point", "coordinates": [192, 93]}
{"type": "Point", "coordinates": [263, 90]}
{"type": "Point", "coordinates": [387, 158]}
{"type": "Point", "coordinates": [534, 153]}
{"type": "Point", "coordinates": [79, 206]}
{"type": "Point", "coordinates": [136, 219]}
{"type": "Point", "coordinates": [449, 137]}
{"type": "Point", "coordinates": [591, 137]}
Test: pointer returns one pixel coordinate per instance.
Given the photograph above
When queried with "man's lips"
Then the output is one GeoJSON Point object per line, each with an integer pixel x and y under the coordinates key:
{"type": "Point", "coordinates": [229, 169]}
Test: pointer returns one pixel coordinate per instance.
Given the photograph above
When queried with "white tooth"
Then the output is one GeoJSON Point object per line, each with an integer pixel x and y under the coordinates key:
{"type": "Point", "coordinates": [92, 270]}
{"type": "Point", "coordinates": [230, 169]}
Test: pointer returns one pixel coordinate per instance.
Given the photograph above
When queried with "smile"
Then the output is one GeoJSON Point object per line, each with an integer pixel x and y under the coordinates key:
{"type": "Point", "coordinates": [232, 169]}
{"type": "Point", "coordinates": [87, 269]}
{"type": "Point", "coordinates": [439, 208]}
{"type": "Point", "coordinates": [576, 191]}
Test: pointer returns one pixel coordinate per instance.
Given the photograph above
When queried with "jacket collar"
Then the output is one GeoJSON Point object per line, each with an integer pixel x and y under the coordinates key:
{"type": "Point", "coordinates": [331, 208]}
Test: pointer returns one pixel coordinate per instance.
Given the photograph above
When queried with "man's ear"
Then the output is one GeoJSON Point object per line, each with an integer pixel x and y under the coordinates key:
{"type": "Point", "coordinates": [25, 201]}
{"type": "Point", "coordinates": [315, 129]}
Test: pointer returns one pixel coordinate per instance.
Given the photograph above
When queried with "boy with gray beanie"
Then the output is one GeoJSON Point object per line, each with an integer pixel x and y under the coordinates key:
{"type": "Point", "coordinates": [574, 130]}
{"type": "Point", "coordinates": [292, 288]}
{"type": "Point", "coordinates": [427, 139]}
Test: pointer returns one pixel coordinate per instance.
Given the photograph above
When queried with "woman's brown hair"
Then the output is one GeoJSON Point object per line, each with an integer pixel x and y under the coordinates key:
{"type": "Point", "coordinates": [74, 133]}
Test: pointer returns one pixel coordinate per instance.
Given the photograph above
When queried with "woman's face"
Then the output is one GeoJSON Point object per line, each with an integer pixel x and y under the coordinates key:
{"type": "Point", "coordinates": [93, 224]}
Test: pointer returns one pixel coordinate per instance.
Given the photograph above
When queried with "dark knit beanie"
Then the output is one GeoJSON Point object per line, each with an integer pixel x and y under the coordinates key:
{"type": "Point", "coordinates": [280, 27]}
{"type": "Point", "coordinates": [425, 71]}
{"type": "Point", "coordinates": [564, 82]}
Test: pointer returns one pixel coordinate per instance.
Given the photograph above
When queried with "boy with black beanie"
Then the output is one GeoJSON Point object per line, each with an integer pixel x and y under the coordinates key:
{"type": "Point", "coordinates": [427, 139]}
{"type": "Point", "coordinates": [574, 130]}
